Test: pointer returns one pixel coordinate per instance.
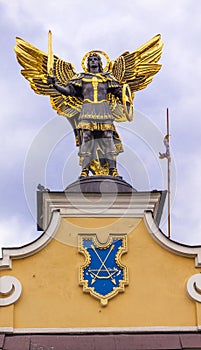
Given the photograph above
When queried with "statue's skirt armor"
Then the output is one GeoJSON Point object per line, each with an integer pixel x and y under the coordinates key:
{"type": "Point", "coordinates": [96, 116]}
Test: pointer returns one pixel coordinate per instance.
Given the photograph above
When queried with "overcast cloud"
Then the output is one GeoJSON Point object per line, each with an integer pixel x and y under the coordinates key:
{"type": "Point", "coordinates": [37, 145]}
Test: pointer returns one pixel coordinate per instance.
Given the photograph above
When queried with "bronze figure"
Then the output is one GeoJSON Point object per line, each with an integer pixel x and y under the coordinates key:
{"type": "Point", "coordinates": [94, 99]}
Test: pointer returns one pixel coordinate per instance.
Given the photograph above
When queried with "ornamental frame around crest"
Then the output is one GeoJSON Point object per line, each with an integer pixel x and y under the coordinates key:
{"type": "Point", "coordinates": [82, 250]}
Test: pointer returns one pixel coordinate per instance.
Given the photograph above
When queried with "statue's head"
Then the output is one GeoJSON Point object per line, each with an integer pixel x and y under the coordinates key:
{"type": "Point", "coordinates": [94, 59]}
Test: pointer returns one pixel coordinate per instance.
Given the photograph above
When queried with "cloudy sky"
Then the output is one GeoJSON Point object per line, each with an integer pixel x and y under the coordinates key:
{"type": "Point", "coordinates": [37, 146]}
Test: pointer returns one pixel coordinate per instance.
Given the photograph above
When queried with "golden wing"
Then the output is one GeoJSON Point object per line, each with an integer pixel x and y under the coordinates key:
{"type": "Point", "coordinates": [137, 68]}
{"type": "Point", "coordinates": [34, 63]}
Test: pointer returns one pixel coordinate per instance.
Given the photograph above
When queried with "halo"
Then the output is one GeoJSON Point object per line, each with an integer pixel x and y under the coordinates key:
{"type": "Point", "coordinates": [99, 52]}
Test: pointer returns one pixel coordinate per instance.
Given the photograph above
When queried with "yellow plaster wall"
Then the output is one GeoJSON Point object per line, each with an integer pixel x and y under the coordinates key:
{"type": "Point", "coordinates": [51, 297]}
{"type": "Point", "coordinates": [6, 316]}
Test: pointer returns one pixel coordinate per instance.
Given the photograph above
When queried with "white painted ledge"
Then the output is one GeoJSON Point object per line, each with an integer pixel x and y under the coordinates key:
{"type": "Point", "coordinates": [122, 330]}
{"type": "Point", "coordinates": [100, 205]}
{"type": "Point", "coordinates": [168, 244]}
{"type": "Point", "coordinates": [16, 253]}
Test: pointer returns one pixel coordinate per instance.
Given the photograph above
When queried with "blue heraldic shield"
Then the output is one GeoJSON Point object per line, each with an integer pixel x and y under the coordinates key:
{"type": "Point", "coordinates": [103, 275]}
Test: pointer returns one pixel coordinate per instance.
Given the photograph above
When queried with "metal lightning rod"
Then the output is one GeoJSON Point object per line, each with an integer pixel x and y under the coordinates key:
{"type": "Point", "coordinates": [168, 171]}
{"type": "Point", "coordinates": [166, 155]}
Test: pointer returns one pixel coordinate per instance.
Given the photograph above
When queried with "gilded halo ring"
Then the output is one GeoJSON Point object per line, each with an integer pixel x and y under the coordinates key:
{"type": "Point", "coordinates": [100, 53]}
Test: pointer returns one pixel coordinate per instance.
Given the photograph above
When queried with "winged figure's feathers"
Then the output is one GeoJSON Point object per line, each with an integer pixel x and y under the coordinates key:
{"type": "Point", "coordinates": [63, 71]}
{"type": "Point", "coordinates": [137, 68]}
{"type": "Point", "coordinates": [119, 68]}
{"type": "Point", "coordinates": [34, 64]}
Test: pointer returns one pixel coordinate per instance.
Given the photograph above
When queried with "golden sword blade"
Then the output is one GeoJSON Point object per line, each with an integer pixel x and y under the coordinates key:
{"type": "Point", "coordinates": [50, 55]}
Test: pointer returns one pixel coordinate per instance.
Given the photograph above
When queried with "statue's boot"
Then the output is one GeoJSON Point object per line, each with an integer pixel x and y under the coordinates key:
{"type": "Point", "coordinates": [85, 166]}
{"type": "Point", "coordinates": [112, 167]}
{"type": "Point", "coordinates": [113, 172]}
{"type": "Point", "coordinates": [84, 172]}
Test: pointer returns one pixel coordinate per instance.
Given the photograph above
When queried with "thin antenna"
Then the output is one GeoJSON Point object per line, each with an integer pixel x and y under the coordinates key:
{"type": "Point", "coordinates": [166, 155]}
{"type": "Point", "coordinates": [169, 178]}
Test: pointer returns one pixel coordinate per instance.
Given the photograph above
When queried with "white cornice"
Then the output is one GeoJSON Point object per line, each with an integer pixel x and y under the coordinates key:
{"type": "Point", "coordinates": [172, 246]}
{"type": "Point", "coordinates": [137, 205]}
{"type": "Point", "coordinates": [100, 205]}
{"type": "Point", "coordinates": [122, 330]}
{"type": "Point", "coordinates": [16, 253]}
{"type": "Point", "coordinates": [60, 204]}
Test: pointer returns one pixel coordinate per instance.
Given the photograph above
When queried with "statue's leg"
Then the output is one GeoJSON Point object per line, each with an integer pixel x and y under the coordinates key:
{"type": "Point", "coordinates": [110, 152]}
{"type": "Point", "coordinates": [86, 152]}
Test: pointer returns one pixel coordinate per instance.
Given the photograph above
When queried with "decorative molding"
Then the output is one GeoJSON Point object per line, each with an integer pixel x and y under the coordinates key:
{"type": "Point", "coordinates": [171, 246]}
{"type": "Point", "coordinates": [103, 205]}
{"type": "Point", "coordinates": [61, 204]}
{"type": "Point", "coordinates": [10, 290]}
{"type": "Point", "coordinates": [194, 287]}
{"type": "Point", "coordinates": [121, 330]}
{"type": "Point", "coordinates": [140, 204]}
{"type": "Point", "coordinates": [16, 253]}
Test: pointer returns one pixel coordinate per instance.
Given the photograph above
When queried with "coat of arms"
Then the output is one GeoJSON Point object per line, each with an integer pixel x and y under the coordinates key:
{"type": "Point", "coordinates": [103, 275]}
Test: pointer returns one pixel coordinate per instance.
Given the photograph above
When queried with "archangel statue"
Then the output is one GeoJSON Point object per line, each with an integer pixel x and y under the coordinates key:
{"type": "Point", "coordinates": [94, 99]}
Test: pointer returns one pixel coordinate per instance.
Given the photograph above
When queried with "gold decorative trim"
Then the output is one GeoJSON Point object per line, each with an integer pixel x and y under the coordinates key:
{"type": "Point", "coordinates": [127, 100]}
{"type": "Point", "coordinates": [90, 101]}
{"type": "Point", "coordinates": [96, 126]}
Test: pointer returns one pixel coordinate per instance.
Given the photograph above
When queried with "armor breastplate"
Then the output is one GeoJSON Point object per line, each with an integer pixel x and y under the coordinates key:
{"type": "Point", "coordinates": [94, 88]}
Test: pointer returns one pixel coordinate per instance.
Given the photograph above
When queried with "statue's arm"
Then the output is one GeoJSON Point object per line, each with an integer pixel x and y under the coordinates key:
{"type": "Point", "coordinates": [67, 90]}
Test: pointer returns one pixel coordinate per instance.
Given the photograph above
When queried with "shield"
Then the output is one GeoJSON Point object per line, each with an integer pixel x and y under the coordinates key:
{"type": "Point", "coordinates": [127, 99]}
{"type": "Point", "coordinates": [103, 275]}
